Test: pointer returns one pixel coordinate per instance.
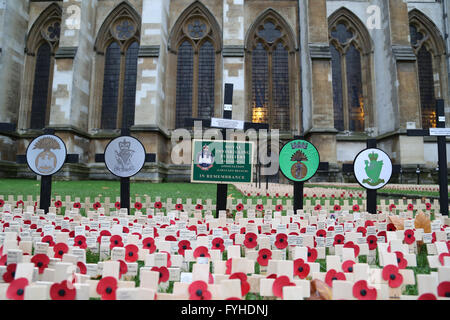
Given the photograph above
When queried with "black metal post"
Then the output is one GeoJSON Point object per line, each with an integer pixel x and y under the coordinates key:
{"type": "Point", "coordinates": [371, 194]}
{"type": "Point", "coordinates": [298, 196]}
{"type": "Point", "coordinates": [46, 193]}
{"type": "Point", "coordinates": [125, 193]}
{"type": "Point", "coordinates": [442, 159]}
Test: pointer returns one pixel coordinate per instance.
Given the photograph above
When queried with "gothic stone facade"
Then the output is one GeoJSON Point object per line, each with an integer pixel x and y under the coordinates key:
{"type": "Point", "coordinates": [334, 71]}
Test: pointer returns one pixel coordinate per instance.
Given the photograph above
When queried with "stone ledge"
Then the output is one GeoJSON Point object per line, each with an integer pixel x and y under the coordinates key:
{"type": "Point", "coordinates": [403, 53]}
{"type": "Point", "coordinates": [319, 51]}
{"type": "Point", "coordinates": [149, 51]}
{"type": "Point", "coordinates": [66, 53]}
{"type": "Point", "coordinates": [233, 51]}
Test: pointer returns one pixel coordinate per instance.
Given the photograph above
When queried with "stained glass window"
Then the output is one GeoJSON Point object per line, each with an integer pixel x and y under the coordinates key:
{"type": "Point", "coordinates": [185, 70]}
{"type": "Point", "coordinates": [111, 87]}
{"type": "Point", "coordinates": [354, 90]}
{"type": "Point", "coordinates": [41, 87]}
{"type": "Point", "coordinates": [206, 78]}
{"type": "Point", "coordinates": [280, 87]}
{"type": "Point", "coordinates": [129, 90]}
{"type": "Point", "coordinates": [337, 89]}
{"type": "Point", "coordinates": [260, 84]}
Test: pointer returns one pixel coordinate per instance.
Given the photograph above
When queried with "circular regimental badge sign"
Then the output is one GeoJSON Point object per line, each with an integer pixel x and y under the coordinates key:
{"type": "Point", "coordinates": [46, 155]}
{"type": "Point", "coordinates": [372, 168]}
{"type": "Point", "coordinates": [124, 156]}
{"type": "Point", "coordinates": [299, 160]}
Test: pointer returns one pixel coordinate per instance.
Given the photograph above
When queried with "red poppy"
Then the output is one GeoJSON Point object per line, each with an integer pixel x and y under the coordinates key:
{"type": "Point", "coordinates": [40, 261]}
{"type": "Point", "coordinates": [337, 207]}
{"type": "Point", "coordinates": [441, 257]}
{"type": "Point", "coordinates": [138, 205]}
{"type": "Point", "coordinates": [183, 245]}
{"type": "Point", "coordinates": [410, 207]}
{"type": "Point", "coordinates": [338, 239]}
{"type": "Point", "coordinates": [355, 208]}
{"type": "Point", "coordinates": [401, 261]}
{"type": "Point", "coordinates": [281, 241]}
{"type": "Point", "coordinates": [347, 266]}
{"type": "Point", "coordinates": [278, 207]}
{"type": "Point", "coordinates": [333, 275]}
{"type": "Point", "coordinates": [228, 266]}
{"type": "Point", "coordinates": [321, 233]}
{"type": "Point", "coordinates": [355, 247]}
{"type": "Point", "coordinates": [368, 223]}
{"type": "Point", "coordinates": [48, 239]}
{"type": "Point", "coordinates": [428, 206]}
{"type": "Point", "coordinates": [259, 207]}
{"type": "Point", "coordinates": [19, 203]}
{"type": "Point", "coordinates": [3, 260]}
{"type": "Point", "coordinates": [169, 263]}
{"type": "Point", "coordinates": [2, 203]}
{"type": "Point", "coordinates": [279, 284]}
{"type": "Point", "coordinates": [149, 243]}
{"type": "Point", "coordinates": [391, 274]}
{"type": "Point", "coordinates": [170, 238]}
{"type": "Point", "coordinates": [80, 241]}
{"type": "Point", "coordinates": [264, 255]}
{"type": "Point", "coordinates": [362, 230]}
{"type": "Point", "coordinates": [117, 205]}
{"type": "Point", "coordinates": [63, 291]}
{"type": "Point", "coordinates": [271, 276]}
{"type": "Point", "coordinates": [60, 249]}
{"type": "Point", "coordinates": [427, 296]}
{"type": "Point", "coordinates": [10, 273]}
{"type": "Point", "coordinates": [81, 267]}
{"type": "Point", "coordinates": [131, 253]}
{"type": "Point", "coordinates": [163, 273]}
{"type": "Point", "coordinates": [199, 206]}
{"type": "Point", "coordinates": [179, 206]}
{"type": "Point", "coordinates": [97, 205]}
{"type": "Point", "coordinates": [382, 234]}
{"type": "Point", "coordinates": [250, 240]}
{"type": "Point", "coordinates": [158, 205]}
{"type": "Point", "coordinates": [198, 290]}
{"type": "Point", "coordinates": [217, 243]}
{"type": "Point", "coordinates": [409, 236]}
{"type": "Point", "coordinates": [312, 254]}
{"type": "Point", "coordinates": [443, 289]}
{"type": "Point", "coordinates": [362, 291]}
{"type": "Point", "coordinates": [115, 241]}
{"type": "Point", "coordinates": [201, 252]}
{"type": "Point", "coordinates": [107, 287]}
{"type": "Point", "coordinates": [245, 286]}
{"type": "Point", "coordinates": [16, 289]}
{"type": "Point", "coordinates": [301, 269]}
{"type": "Point", "coordinates": [318, 207]}
{"type": "Point", "coordinates": [77, 205]}
{"type": "Point", "coordinates": [372, 242]}
{"type": "Point", "coordinates": [58, 203]}
{"type": "Point", "coordinates": [392, 206]}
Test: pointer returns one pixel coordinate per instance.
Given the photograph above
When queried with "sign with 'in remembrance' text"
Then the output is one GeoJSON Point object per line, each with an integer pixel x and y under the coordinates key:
{"type": "Point", "coordinates": [218, 161]}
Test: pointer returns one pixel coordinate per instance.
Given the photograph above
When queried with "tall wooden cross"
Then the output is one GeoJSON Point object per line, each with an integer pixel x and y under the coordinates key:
{"type": "Point", "coordinates": [441, 132]}
{"type": "Point", "coordinates": [223, 124]}
{"type": "Point", "coordinates": [125, 181]}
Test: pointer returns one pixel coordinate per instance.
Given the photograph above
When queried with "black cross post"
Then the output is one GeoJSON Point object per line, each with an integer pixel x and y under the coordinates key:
{"type": "Point", "coordinates": [125, 182]}
{"type": "Point", "coordinates": [371, 193]}
{"type": "Point", "coordinates": [46, 181]}
{"type": "Point", "coordinates": [441, 133]}
{"type": "Point", "coordinates": [298, 188]}
{"type": "Point", "coordinates": [222, 189]}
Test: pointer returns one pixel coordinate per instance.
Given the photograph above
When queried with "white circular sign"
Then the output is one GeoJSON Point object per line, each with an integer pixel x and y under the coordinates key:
{"type": "Point", "coordinates": [46, 155]}
{"type": "Point", "coordinates": [372, 168]}
{"type": "Point", "coordinates": [124, 156]}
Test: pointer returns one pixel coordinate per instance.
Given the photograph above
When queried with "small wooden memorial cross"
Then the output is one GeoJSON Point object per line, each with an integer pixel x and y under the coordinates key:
{"type": "Point", "coordinates": [46, 163]}
{"type": "Point", "coordinates": [223, 124]}
{"type": "Point", "coordinates": [441, 132]}
{"type": "Point", "coordinates": [117, 160]}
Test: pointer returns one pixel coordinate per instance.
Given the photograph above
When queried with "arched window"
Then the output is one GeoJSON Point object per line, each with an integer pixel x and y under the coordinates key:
{"type": "Point", "coordinates": [430, 52]}
{"type": "Point", "coordinates": [118, 46]}
{"type": "Point", "coordinates": [350, 49]}
{"type": "Point", "coordinates": [42, 43]}
{"type": "Point", "coordinates": [195, 40]}
{"type": "Point", "coordinates": [270, 57]}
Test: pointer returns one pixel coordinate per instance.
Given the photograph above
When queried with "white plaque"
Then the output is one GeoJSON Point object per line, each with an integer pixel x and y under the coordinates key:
{"type": "Point", "coordinates": [124, 156]}
{"type": "Point", "coordinates": [46, 155]}
{"type": "Point", "coordinates": [372, 168]}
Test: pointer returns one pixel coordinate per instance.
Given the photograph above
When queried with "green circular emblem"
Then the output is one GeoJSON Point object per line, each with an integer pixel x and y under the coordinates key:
{"type": "Point", "coordinates": [299, 160]}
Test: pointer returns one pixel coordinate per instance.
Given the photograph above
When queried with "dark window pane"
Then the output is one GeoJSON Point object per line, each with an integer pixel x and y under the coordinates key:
{"type": "Point", "coordinates": [280, 88]}
{"type": "Point", "coordinates": [269, 33]}
{"type": "Point", "coordinates": [111, 87]}
{"type": "Point", "coordinates": [415, 35]}
{"type": "Point", "coordinates": [206, 76]}
{"type": "Point", "coordinates": [355, 94]}
{"type": "Point", "coordinates": [426, 85]}
{"type": "Point", "coordinates": [341, 33]}
{"type": "Point", "coordinates": [260, 84]}
{"type": "Point", "coordinates": [129, 90]}
{"type": "Point", "coordinates": [41, 87]}
{"type": "Point", "coordinates": [337, 89]}
{"type": "Point", "coordinates": [185, 70]}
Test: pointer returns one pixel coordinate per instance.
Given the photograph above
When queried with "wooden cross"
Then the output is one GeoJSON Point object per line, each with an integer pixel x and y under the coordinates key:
{"type": "Point", "coordinates": [441, 132]}
{"type": "Point", "coordinates": [125, 182]}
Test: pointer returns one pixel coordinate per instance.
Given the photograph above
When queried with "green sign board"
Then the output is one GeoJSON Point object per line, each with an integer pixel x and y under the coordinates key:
{"type": "Point", "coordinates": [299, 160]}
{"type": "Point", "coordinates": [218, 161]}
